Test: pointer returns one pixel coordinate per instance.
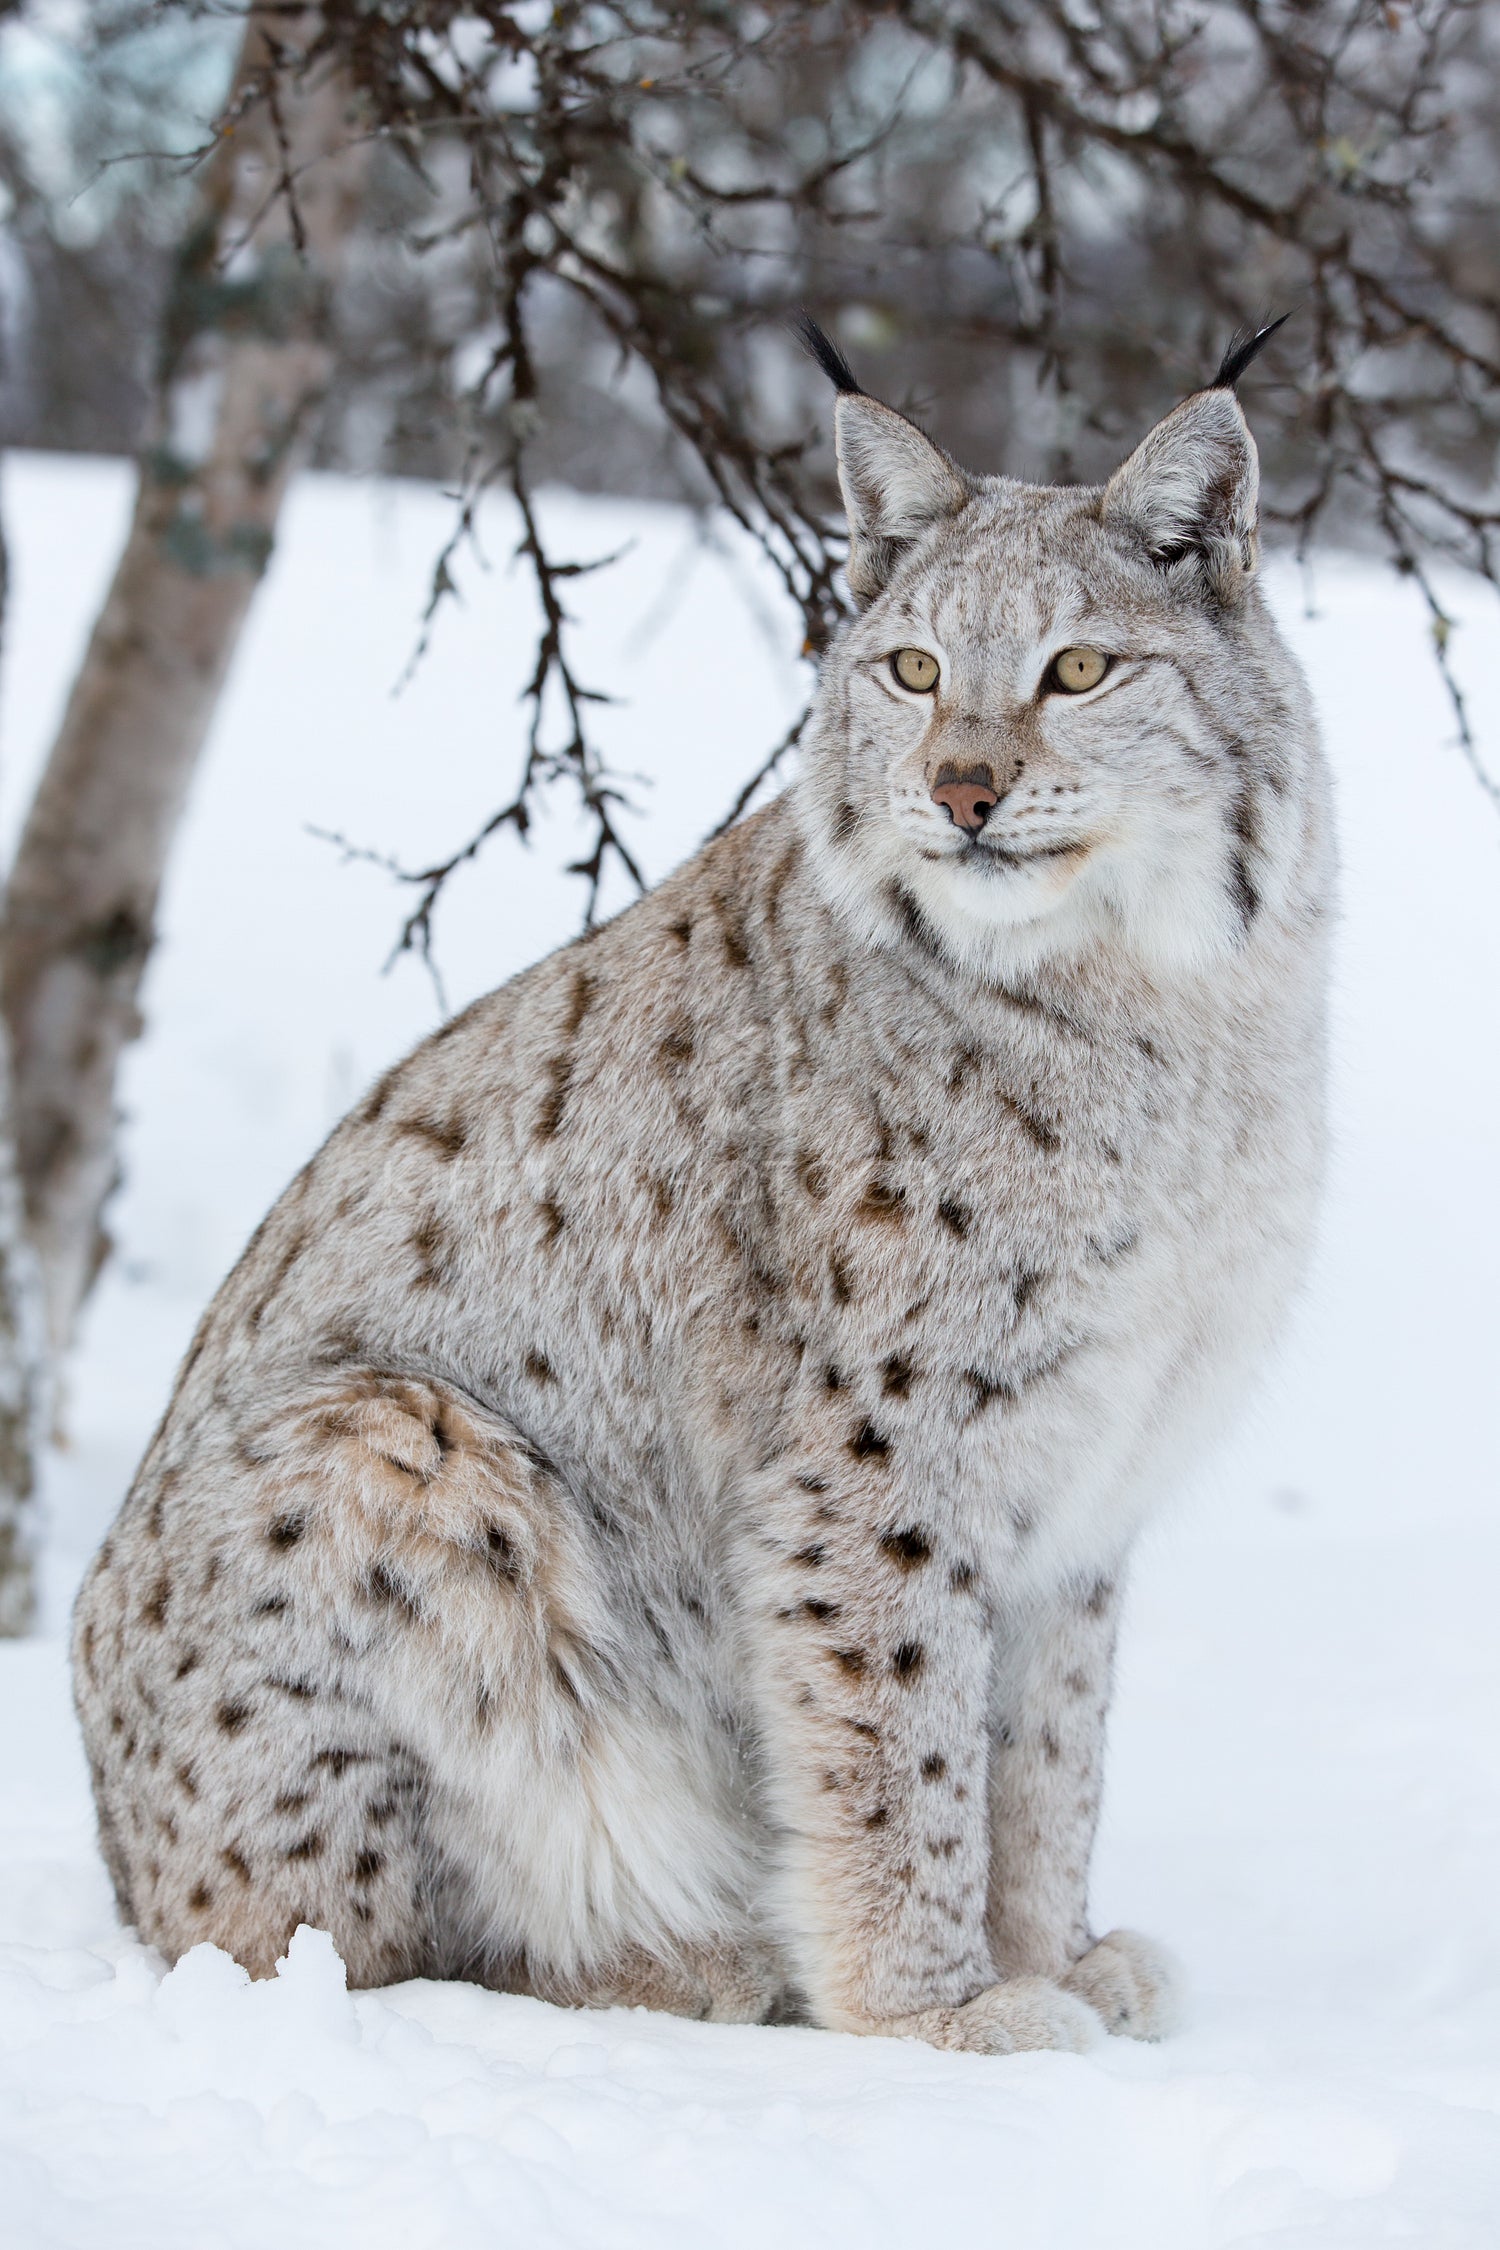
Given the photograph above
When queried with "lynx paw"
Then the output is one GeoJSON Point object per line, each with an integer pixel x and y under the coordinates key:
{"type": "Point", "coordinates": [1133, 1986]}
{"type": "Point", "coordinates": [1018, 2017]}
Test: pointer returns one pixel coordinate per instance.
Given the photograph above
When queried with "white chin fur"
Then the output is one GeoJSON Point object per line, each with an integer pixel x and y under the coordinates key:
{"type": "Point", "coordinates": [1172, 918]}
{"type": "Point", "coordinates": [1166, 911]}
{"type": "Point", "coordinates": [1003, 919]}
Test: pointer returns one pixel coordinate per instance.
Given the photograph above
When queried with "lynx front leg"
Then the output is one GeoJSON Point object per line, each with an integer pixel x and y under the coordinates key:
{"type": "Point", "coordinates": [1050, 1698]}
{"type": "Point", "coordinates": [875, 1666]}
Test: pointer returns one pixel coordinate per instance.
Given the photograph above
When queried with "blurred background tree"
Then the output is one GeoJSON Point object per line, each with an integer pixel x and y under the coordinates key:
{"type": "Point", "coordinates": [584, 230]}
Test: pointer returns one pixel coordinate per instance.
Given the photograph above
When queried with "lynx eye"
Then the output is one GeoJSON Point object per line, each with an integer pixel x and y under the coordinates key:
{"type": "Point", "coordinates": [1078, 669]}
{"type": "Point", "coordinates": [916, 670]}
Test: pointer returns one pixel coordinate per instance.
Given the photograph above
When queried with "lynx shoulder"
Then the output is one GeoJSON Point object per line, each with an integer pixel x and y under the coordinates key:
{"type": "Point", "coordinates": [646, 1518]}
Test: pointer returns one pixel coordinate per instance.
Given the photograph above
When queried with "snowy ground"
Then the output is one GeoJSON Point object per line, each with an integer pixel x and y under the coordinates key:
{"type": "Point", "coordinates": [1303, 1796]}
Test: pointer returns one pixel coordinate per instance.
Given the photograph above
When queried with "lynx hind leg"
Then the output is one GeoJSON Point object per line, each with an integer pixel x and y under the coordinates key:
{"type": "Point", "coordinates": [240, 1790]}
{"type": "Point", "coordinates": [268, 1649]}
{"type": "Point", "coordinates": [724, 1982]}
{"type": "Point", "coordinates": [389, 1601]}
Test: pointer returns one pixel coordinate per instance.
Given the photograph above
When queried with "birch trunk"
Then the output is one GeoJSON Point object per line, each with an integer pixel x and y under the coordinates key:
{"type": "Point", "coordinates": [21, 1362]}
{"type": "Point", "coordinates": [245, 360]}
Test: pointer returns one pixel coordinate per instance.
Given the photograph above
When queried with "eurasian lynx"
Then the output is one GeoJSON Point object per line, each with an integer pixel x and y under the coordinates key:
{"type": "Point", "coordinates": [645, 1518]}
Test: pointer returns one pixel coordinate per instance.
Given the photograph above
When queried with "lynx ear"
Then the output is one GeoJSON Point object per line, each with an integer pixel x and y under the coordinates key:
{"type": "Point", "coordinates": [896, 484]}
{"type": "Point", "coordinates": [1191, 492]}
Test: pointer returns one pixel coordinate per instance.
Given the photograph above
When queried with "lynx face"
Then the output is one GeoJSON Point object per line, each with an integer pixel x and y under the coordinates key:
{"type": "Point", "coordinates": [1052, 722]}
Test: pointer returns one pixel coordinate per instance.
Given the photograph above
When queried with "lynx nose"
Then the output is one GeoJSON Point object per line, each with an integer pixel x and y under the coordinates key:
{"type": "Point", "coordinates": [968, 798]}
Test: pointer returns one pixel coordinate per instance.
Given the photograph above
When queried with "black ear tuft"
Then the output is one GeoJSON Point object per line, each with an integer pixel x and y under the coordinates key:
{"type": "Point", "coordinates": [827, 355]}
{"type": "Point", "coordinates": [1243, 346]}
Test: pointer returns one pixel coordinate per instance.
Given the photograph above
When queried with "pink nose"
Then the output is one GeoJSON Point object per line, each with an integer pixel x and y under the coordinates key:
{"type": "Point", "coordinates": [968, 798]}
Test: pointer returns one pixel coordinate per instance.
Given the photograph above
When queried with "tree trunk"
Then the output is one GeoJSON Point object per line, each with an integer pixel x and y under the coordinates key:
{"type": "Point", "coordinates": [245, 361]}
{"type": "Point", "coordinates": [21, 1359]}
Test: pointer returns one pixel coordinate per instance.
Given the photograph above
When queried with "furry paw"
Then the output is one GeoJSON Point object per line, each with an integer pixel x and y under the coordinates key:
{"type": "Point", "coordinates": [1018, 2017]}
{"type": "Point", "coordinates": [1132, 1985]}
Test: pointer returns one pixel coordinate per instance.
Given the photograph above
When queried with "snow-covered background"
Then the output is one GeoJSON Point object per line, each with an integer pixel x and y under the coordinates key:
{"type": "Point", "coordinates": [1303, 1795]}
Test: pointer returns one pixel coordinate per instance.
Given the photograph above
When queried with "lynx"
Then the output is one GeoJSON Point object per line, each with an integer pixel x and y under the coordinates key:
{"type": "Point", "coordinates": [645, 1521]}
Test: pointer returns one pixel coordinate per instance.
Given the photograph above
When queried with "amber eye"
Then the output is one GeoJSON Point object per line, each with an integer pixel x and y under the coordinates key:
{"type": "Point", "coordinates": [1077, 669]}
{"type": "Point", "coordinates": [916, 670]}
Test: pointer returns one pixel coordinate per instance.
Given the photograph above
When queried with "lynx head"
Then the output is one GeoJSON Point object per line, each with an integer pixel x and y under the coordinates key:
{"type": "Point", "coordinates": [1062, 717]}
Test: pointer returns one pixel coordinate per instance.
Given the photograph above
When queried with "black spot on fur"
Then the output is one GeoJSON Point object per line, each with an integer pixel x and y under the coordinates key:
{"type": "Point", "coordinates": [934, 1766]}
{"type": "Point", "coordinates": [236, 1862]}
{"type": "Point", "coordinates": [814, 1177]}
{"type": "Point", "coordinates": [200, 1898]}
{"type": "Point", "coordinates": [580, 1000]}
{"type": "Point", "coordinates": [849, 1660]}
{"type": "Point", "coordinates": [446, 1138]}
{"type": "Point", "coordinates": [881, 1201]}
{"type": "Point", "coordinates": [384, 1587]}
{"type": "Point", "coordinates": [897, 1377]}
{"type": "Point", "coordinates": [1241, 889]}
{"type": "Point", "coordinates": [908, 1549]}
{"type": "Point", "coordinates": [908, 1660]}
{"type": "Point", "coordinates": [337, 1761]}
{"type": "Point", "coordinates": [277, 1276]}
{"type": "Point", "coordinates": [845, 821]}
{"type": "Point", "coordinates": [553, 1219]}
{"type": "Point", "coordinates": [231, 1717]}
{"type": "Point", "coordinates": [430, 1245]}
{"type": "Point", "coordinates": [910, 916]}
{"type": "Point", "coordinates": [810, 1557]}
{"type": "Point", "coordinates": [376, 1101]}
{"type": "Point", "coordinates": [154, 1607]}
{"type": "Point", "coordinates": [285, 1531]}
{"type": "Point", "coordinates": [367, 1866]}
{"type": "Point", "coordinates": [987, 1388]}
{"type": "Point", "coordinates": [867, 1444]}
{"type": "Point", "coordinates": [964, 1064]}
{"type": "Point", "coordinates": [555, 1099]}
{"type": "Point", "coordinates": [732, 932]}
{"type": "Point", "coordinates": [1037, 1130]}
{"type": "Point", "coordinates": [309, 1846]}
{"type": "Point", "coordinates": [956, 1216]}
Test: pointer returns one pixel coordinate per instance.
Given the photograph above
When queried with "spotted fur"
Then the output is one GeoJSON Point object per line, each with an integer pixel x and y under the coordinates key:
{"type": "Point", "coordinates": [646, 1518]}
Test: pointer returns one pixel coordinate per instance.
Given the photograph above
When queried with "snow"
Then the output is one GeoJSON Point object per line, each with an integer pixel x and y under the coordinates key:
{"type": "Point", "coordinates": [1302, 1793]}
